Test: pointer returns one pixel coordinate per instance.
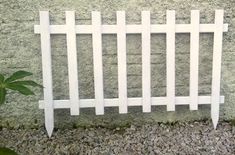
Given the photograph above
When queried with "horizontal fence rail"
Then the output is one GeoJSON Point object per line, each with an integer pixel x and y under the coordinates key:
{"type": "Point", "coordinates": [121, 29]}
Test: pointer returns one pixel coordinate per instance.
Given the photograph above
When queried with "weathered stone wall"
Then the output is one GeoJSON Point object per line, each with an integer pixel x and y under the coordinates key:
{"type": "Point", "coordinates": [20, 50]}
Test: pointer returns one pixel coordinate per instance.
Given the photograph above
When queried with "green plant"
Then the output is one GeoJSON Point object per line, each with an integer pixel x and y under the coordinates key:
{"type": "Point", "coordinates": [7, 151]}
{"type": "Point", "coordinates": [15, 83]}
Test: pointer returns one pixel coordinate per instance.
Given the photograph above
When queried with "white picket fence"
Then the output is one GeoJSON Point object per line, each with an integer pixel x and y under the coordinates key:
{"type": "Point", "coordinates": [122, 29]}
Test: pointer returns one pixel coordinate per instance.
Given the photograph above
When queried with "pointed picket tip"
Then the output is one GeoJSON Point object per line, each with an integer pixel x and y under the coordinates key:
{"type": "Point", "coordinates": [49, 130]}
{"type": "Point", "coordinates": [215, 122]}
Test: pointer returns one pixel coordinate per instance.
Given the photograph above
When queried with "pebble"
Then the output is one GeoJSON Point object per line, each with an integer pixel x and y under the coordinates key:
{"type": "Point", "coordinates": [180, 138]}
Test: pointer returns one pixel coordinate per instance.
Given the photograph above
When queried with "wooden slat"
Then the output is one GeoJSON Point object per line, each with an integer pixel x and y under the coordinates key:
{"type": "Point", "coordinates": [216, 69]}
{"type": "Point", "coordinates": [170, 60]}
{"type": "Point", "coordinates": [72, 62]}
{"type": "Point", "coordinates": [132, 29]}
{"type": "Point", "coordinates": [146, 67]}
{"type": "Point", "coordinates": [97, 60]}
{"type": "Point", "coordinates": [114, 102]}
{"type": "Point", "coordinates": [121, 53]}
{"type": "Point", "coordinates": [47, 71]}
{"type": "Point", "coordinates": [194, 58]}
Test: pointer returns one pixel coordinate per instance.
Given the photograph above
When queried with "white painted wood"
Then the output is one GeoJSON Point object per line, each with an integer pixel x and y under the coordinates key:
{"type": "Point", "coordinates": [194, 59]}
{"type": "Point", "coordinates": [97, 60]}
{"type": "Point", "coordinates": [170, 60]}
{"type": "Point", "coordinates": [121, 53]}
{"type": "Point", "coordinates": [47, 71]}
{"type": "Point", "coordinates": [121, 29]}
{"type": "Point", "coordinates": [146, 65]}
{"type": "Point", "coordinates": [114, 102]}
{"type": "Point", "coordinates": [216, 68]}
{"type": "Point", "coordinates": [72, 62]}
{"type": "Point", "coordinates": [132, 29]}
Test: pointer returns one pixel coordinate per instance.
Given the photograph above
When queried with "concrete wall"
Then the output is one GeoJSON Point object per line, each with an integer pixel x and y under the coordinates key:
{"type": "Point", "coordinates": [20, 50]}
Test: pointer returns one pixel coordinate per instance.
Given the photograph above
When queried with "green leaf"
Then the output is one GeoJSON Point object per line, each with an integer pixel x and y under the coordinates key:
{"type": "Point", "coordinates": [27, 82]}
{"type": "Point", "coordinates": [2, 95]}
{"type": "Point", "coordinates": [1, 78]}
{"type": "Point", "coordinates": [20, 88]}
{"type": "Point", "coordinates": [7, 151]}
{"type": "Point", "coordinates": [18, 75]}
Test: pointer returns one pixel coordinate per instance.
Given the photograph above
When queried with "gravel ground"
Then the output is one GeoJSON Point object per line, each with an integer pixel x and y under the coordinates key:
{"type": "Point", "coordinates": [178, 138]}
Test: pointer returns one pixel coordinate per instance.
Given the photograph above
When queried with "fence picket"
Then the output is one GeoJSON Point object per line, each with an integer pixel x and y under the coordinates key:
{"type": "Point", "coordinates": [72, 62]}
{"type": "Point", "coordinates": [170, 60]}
{"type": "Point", "coordinates": [146, 66]}
{"type": "Point", "coordinates": [121, 53]}
{"type": "Point", "coordinates": [194, 58]}
{"type": "Point", "coordinates": [216, 68]}
{"type": "Point", "coordinates": [47, 71]}
{"type": "Point", "coordinates": [98, 63]}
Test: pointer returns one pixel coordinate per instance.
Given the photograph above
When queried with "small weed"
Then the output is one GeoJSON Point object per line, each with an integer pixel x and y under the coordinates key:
{"type": "Point", "coordinates": [232, 122]}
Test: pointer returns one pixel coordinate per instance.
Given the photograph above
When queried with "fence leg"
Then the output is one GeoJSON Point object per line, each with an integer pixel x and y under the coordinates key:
{"type": "Point", "coordinates": [216, 70]}
{"type": "Point", "coordinates": [47, 73]}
